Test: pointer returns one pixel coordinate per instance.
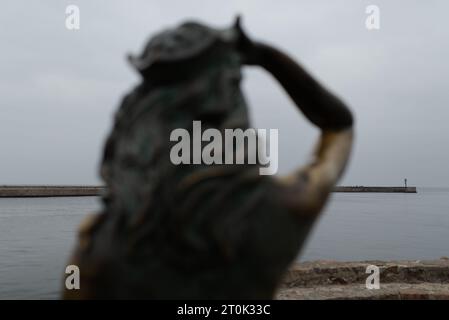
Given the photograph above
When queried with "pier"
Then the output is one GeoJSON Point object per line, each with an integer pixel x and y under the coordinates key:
{"type": "Point", "coordinates": [49, 191]}
{"type": "Point", "coordinates": [376, 189]}
{"type": "Point", "coordinates": [89, 191]}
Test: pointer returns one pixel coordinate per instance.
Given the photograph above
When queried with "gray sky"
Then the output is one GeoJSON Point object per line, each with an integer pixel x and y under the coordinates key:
{"type": "Point", "coordinates": [59, 88]}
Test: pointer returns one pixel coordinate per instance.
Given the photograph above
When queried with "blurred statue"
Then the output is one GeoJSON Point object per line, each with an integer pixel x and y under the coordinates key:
{"type": "Point", "coordinates": [202, 231]}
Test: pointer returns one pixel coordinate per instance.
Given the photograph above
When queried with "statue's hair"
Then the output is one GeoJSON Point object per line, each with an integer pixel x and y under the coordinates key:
{"type": "Point", "coordinates": [154, 201]}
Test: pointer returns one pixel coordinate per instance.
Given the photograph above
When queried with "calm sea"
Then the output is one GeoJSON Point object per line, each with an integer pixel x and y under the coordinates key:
{"type": "Point", "coordinates": [37, 234]}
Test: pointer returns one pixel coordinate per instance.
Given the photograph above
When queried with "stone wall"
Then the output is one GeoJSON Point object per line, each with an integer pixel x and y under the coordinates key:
{"type": "Point", "coordinates": [346, 280]}
{"type": "Point", "coordinates": [49, 191]}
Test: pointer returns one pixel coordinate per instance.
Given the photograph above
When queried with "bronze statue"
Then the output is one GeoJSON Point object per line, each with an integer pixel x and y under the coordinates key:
{"type": "Point", "coordinates": [202, 231]}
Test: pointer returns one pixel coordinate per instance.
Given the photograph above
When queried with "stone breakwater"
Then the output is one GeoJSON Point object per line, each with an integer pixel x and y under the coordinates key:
{"type": "Point", "coordinates": [322, 280]}
{"type": "Point", "coordinates": [49, 191]}
{"type": "Point", "coordinates": [375, 189]}
{"type": "Point", "coordinates": [79, 191]}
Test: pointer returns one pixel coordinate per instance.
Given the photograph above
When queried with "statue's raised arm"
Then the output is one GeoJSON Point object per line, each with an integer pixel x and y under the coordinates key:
{"type": "Point", "coordinates": [310, 186]}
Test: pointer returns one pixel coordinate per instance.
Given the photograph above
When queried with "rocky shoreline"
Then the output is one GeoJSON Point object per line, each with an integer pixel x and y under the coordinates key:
{"type": "Point", "coordinates": [322, 280]}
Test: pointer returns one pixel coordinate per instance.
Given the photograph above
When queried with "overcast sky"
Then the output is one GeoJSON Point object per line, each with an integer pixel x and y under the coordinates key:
{"type": "Point", "coordinates": [59, 88]}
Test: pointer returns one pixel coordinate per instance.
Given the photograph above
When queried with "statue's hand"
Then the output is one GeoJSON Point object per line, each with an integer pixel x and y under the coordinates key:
{"type": "Point", "coordinates": [249, 50]}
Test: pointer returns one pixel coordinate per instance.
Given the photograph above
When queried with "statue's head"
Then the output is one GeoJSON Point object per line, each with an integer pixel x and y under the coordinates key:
{"type": "Point", "coordinates": [202, 65]}
{"type": "Point", "coordinates": [189, 73]}
{"type": "Point", "coordinates": [174, 54]}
